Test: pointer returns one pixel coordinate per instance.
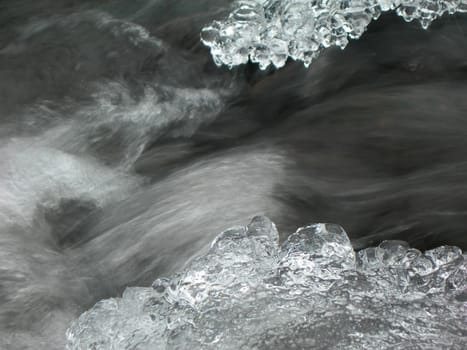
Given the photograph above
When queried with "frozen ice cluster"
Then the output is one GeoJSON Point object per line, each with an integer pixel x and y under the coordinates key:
{"type": "Point", "coordinates": [313, 292]}
{"type": "Point", "coordinates": [269, 31]}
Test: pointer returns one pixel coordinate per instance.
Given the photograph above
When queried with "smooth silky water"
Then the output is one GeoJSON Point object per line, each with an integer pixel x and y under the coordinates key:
{"type": "Point", "coordinates": [125, 151]}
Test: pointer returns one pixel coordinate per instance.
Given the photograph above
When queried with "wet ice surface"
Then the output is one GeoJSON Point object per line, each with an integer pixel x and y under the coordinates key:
{"type": "Point", "coordinates": [268, 32]}
{"type": "Point", "coordinates": [312, 292]}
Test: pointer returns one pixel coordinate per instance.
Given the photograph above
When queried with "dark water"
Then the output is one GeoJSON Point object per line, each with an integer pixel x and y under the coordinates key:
{"type": "Point", "coordinates": [124, 150]}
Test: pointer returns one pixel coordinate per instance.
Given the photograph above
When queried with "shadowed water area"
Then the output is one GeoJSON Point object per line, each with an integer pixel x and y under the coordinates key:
{"type": "Point", "coordinates": [124, 150]}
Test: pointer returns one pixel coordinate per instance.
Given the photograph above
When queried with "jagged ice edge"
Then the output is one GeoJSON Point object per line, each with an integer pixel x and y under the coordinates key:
{"type": "Point", "coordinates": [247, 285]}
{"type": "Point", "coordinates": [268, 32]}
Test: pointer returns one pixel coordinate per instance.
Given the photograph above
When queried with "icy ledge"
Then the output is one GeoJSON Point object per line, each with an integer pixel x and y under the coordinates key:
{"type": "Point", "coordinates": [270, 31]}
{"type": "Point", "coordinates": [313, 292]}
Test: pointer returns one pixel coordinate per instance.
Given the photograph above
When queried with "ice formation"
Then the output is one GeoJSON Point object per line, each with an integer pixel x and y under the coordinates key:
{"type": "Point", "coordinates": [270, 31]}
{"type": "Point", "coordinates": [312, 292]}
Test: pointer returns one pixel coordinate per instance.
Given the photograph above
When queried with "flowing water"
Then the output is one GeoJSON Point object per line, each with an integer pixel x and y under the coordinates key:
{"type": "Point", "coordinates": [124, 151]}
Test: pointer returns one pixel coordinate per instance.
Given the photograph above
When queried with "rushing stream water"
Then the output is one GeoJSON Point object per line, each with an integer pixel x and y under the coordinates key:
{"type": "Point", "coordinates": [125, 151]}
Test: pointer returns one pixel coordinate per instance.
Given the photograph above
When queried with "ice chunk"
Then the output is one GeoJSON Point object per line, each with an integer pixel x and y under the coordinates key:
{"type": "Point", "coordinates": [313, 292]}
{"type": "Point", "coordinates": [268, 32]}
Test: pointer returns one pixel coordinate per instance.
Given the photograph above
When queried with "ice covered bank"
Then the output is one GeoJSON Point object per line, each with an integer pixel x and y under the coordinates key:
{"type": "Point", "coordinates": [268, 32]}
{"type": "Point", "coordinates": [312, 292]}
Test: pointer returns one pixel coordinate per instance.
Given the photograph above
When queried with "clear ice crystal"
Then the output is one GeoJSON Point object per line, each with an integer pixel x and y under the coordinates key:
{"type": "Point", "coordinates": [268, 32]}
{"type": "Point", "coordinates": [312, 292]}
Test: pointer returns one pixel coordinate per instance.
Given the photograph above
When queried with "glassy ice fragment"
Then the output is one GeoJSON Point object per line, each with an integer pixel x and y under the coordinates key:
{"type": "Point", "coordinates": [268, 32]}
